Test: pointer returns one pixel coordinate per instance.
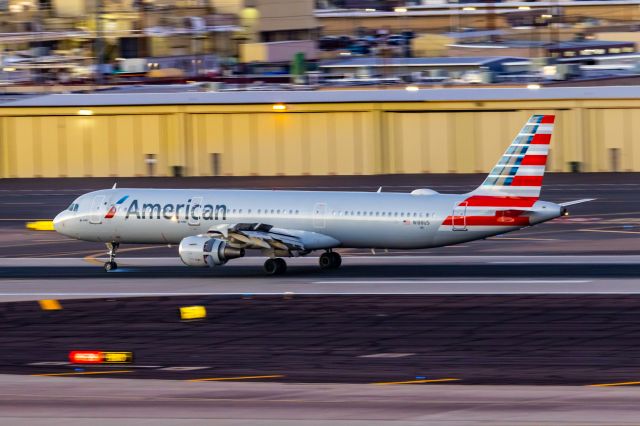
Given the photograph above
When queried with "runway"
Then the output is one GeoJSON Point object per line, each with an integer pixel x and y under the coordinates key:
{"type": "Point", "coordinates": [512, 329]}
{"type": "Point", "coordinates": [381, 275]}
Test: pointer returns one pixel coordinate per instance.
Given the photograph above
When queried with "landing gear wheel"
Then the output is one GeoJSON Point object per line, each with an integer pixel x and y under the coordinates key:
{"type": "Point", "coordinates": [110, 266]}
{"type": "Point", "coordinates": [275, 266]}
{"type": "Point", "coordinates": [336, 259]}
{"type": "Point", "coordinates": [330, 260]}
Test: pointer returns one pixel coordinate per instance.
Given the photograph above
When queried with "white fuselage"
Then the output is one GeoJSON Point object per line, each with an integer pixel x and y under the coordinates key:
{"type": "Point", "coordinates": [325, 219]}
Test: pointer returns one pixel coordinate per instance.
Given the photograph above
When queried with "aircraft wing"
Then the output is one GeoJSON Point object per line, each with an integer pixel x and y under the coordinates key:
{"type": "Point", "coordinates": [262, 236]}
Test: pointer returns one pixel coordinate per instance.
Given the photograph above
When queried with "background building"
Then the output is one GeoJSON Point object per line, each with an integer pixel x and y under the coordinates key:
{"type": "Point", "coordinates": [289, 133]}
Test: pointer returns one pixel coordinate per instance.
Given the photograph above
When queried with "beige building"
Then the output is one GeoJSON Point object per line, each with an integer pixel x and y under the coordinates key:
{"type": "Point", "coordinates": [317, 133]}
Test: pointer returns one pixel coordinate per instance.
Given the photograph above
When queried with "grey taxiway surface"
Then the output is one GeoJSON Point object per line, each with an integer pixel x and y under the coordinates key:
{"type": "Point", "coordinates": [382, 275]}
{"type": "Point", "coordinates": [75, 401]}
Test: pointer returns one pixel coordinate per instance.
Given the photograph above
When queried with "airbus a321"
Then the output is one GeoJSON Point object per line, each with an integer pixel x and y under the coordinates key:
{"type": "Point", "coordinates": [213, 227]}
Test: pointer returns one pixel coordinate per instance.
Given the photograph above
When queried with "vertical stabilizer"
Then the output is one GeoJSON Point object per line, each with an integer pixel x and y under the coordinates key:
{"type": "Point", "coordinates": [516, 179]}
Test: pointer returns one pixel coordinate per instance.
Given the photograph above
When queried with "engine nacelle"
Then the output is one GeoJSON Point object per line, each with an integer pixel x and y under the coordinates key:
{"type": "Point", "coordinates": [206, 251]}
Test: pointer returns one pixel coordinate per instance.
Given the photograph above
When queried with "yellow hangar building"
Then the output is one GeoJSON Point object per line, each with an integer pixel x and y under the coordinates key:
{"type": "Point", "coordinates": [344, 132]}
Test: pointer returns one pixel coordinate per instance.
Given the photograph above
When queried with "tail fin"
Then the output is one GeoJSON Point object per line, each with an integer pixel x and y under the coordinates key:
{"type": "Point", "coordinates": [517, 178]}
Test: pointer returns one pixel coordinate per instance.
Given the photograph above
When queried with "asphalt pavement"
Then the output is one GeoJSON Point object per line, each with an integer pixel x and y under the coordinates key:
{"type": "Point", "coordinates": [474, 339]}
{"type": "Point", "coordinates": [458, 334]}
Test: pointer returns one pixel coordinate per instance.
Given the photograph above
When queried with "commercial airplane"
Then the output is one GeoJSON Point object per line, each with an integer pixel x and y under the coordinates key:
{"type": "Point", "coordinates": [215, 226]}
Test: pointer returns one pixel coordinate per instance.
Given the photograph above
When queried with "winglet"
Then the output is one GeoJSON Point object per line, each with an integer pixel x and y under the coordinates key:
{"type": "Point", "coordinates": [115, 184]}
{"type": "Point", "coordinates": [379, 189]}
{"type": "Point", "coordinates": [571, 203]}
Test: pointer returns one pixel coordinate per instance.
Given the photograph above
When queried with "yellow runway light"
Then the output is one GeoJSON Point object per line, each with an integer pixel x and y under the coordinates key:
{"type": "Point", "coordinates": [192, 312]}
{"type": "Point", "coordinates": [49, 305]}
{"type": "Point", "coordinates": [117, 357]}
{"type": "Point", "coordinates": [41, 225]}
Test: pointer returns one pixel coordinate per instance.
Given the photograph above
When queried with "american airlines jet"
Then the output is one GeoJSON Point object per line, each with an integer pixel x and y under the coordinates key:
{"type": "Point", "coordinates": [215, 226]}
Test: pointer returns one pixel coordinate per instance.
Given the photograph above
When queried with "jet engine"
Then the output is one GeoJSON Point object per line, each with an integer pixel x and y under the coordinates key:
{"type": "Point", "coordinates": [206, 251]}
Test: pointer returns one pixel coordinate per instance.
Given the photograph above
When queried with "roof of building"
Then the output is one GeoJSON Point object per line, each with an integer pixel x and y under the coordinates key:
{"type": "Point", "coordinates": [415, 62]}
{"type": "Point", "coordinates": [324, 96]}
{"type": "Point", "coordinates": [576, 44]}
{"type": "Point", "coordinates": [475, 33]}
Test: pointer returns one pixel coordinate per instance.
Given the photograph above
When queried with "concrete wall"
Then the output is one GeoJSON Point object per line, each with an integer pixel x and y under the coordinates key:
{"type": "Point", "coordinates": [330, 138]}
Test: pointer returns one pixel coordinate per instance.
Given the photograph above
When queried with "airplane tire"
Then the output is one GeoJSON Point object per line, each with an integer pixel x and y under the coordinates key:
{"type": "Point", "coordinates": [110, 266]}
{"type": "Point", "coordinates": [336, 260]}
{"type": "Point", "coordinates": [281, 266]}
{"type": "Point", "coordinates": [326, 260]}
{"type": "Point", "coordinates": [275, 266]}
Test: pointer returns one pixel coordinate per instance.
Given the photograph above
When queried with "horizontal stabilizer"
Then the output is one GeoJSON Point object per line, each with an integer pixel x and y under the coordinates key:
{"type": "Point", "coordinates": [571, 203]}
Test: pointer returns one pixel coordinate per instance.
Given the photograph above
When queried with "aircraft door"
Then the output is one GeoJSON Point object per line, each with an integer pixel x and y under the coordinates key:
{"type": "Point", "coordinates": [195, 211]}
{"type": "Point", "coordinates": [97, 209]}
{"type": "Point", "coordinates": [319, 213]}
{"type": "Point", "coordinates": [459, 217]}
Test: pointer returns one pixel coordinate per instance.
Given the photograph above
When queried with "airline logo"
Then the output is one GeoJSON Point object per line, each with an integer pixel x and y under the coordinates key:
{"type": "Point", "coordinates": [114, 208]}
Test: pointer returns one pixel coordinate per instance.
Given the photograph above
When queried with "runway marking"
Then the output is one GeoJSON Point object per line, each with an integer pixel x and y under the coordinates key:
{"type": "Point", "coordinates": [412, 382]}
{"type": "Point", "coordinates": [455, 282]}
{"type": "Point", "coordinates": [80, 373]}
{"type": "Point", "coordinates": [221, 379]}
{"type": "Point", "coordinates": [36, 243]}
{"type": "Point", "coordinates": [387, 355]}
{"type": "Point", "coordinates": [616, 384]}
{"type": "Point", "coordinates": [497, 238]}
{"type": "Point", "coordinates": [609, 231]}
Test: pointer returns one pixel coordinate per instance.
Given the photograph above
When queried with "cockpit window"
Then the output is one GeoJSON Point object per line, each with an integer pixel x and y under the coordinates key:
{"type": "Point", "coordinates": [73, 207]}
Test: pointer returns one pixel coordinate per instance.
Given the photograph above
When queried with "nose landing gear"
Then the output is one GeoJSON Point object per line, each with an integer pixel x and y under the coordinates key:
{"type": "Point", "coordinates": [111, 265]}
{"type": "Point", "coordinates": [330, 260]}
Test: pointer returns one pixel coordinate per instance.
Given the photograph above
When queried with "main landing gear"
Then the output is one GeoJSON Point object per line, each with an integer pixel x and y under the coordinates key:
{"type": "Point", "coordinates": [275, 266]}
{"type": "Point", "coordinates": [330, 260]}
{"type": "Point", "coordinates": [111, 265]}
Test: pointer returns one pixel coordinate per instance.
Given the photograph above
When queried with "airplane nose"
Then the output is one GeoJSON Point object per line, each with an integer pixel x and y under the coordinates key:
{"type": "Point", "coordinates": [58, 222]}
